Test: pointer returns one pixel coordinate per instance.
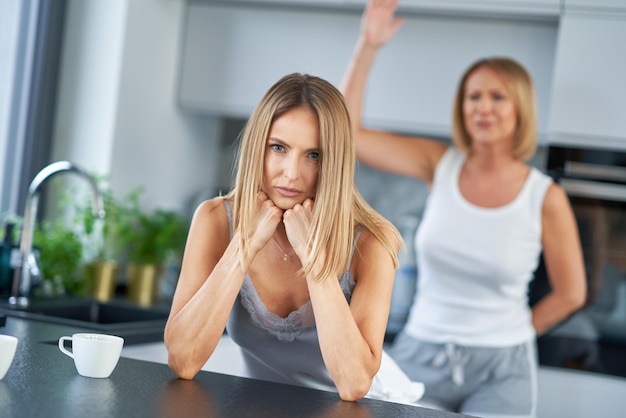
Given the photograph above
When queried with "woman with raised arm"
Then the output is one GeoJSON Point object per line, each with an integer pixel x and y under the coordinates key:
{"type": "Point", "coordinates": [470, 335]}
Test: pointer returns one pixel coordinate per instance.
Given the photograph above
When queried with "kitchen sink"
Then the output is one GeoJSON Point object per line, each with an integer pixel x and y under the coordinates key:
{"type": "Point", "coordinates": [111, 317]}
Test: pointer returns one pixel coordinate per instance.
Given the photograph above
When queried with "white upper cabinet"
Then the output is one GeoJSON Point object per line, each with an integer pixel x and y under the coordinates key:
{"type": "Point", "coordinates": [510, 8]}
{"type": "Point", "coordinates": [284, 2]}
{"type": "Point", "coordinates": [534, 9]}
{"type": "Point", "coordinates": [589, 87]}
{"type": "Point", "coordinates": [598, 5]}
{"type": "Point", "coordinates": [232, 55]}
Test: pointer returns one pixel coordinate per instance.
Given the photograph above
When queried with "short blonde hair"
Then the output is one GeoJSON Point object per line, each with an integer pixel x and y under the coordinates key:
{"type": "Point", "coordinates": [338, 207]}
{"type": "Point", "coordinates": [521, 87]}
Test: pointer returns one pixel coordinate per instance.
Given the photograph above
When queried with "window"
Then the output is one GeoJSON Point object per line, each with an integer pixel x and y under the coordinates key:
{"type": "Point", "coordinates": [30, 42]}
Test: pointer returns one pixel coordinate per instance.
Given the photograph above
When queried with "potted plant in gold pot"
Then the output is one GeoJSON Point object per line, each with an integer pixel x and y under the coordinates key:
{"type": "Point", "coordinates": [105, 240]}
{"type": "Point", "coordinates": [150, 238]}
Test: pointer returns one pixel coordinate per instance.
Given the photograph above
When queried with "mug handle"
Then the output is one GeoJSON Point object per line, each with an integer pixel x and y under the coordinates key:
{"type": "Point", "coordinates": [62, 346]}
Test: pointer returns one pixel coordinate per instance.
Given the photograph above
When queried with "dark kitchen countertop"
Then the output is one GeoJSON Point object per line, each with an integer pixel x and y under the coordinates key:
{"type": "Point", "coordinates": [42, 382]}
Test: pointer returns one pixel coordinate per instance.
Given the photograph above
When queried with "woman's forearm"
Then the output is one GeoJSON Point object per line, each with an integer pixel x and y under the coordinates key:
{"type": "Point", "coordinates": [355, 78]}
{"type": "Point", "coordinates": [348, 358]}
{"type": "Point", "coordinates": [378, 25]}
{"type": "Point", "coordinates": [193, 332]}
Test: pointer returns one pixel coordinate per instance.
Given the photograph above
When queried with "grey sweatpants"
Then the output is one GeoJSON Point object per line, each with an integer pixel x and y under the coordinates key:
{"type": "Point", "coordinates": [479, 381]}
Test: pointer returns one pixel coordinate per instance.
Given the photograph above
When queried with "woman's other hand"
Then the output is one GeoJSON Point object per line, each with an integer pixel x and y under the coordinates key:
{"type": "Point", "coordinates": [298, 225]}
{"type": "Point", "coordinates": [268, 216]}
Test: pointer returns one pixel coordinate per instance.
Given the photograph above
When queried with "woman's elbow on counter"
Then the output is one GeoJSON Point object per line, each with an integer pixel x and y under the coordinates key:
{"type": "Point", "coordinates": [355, 391]}
{"type": "Point", "coordinates": [183, 371]}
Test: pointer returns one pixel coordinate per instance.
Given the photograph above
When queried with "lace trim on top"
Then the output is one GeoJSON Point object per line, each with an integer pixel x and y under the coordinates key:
{"type": "Point", "coordinates": [285, 329]}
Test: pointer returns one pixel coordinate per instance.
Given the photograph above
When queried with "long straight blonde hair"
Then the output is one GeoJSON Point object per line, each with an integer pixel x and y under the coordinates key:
{"type": "Point", "coordinates": [339, 207]}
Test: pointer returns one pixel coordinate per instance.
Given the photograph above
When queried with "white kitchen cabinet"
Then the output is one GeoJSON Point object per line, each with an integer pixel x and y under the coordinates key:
{"type": "Point", "coordinates": [533, 9]}
{"type": "Point", "coordinates": [231, 55]}
{"type": "Point", "coordinates": [285, 2]}
{"type": "Point", "coordinates": [589, 87]}
{"type": "Point", "coordinates": [280, 3]}
{"type": "Point", "coordinates": [503, 8]}
{"type": "Point", "coordinates": [596, 5]}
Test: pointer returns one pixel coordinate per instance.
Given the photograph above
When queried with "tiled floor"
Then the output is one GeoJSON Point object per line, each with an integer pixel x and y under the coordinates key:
{"type": "Point", "coordinates": [566, 394]}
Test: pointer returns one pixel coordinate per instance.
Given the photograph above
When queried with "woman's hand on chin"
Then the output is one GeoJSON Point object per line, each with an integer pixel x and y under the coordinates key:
{"type": "Point", "coordinates": [267, 218]}
{"type": "Point", "coordinates": [298, 225]}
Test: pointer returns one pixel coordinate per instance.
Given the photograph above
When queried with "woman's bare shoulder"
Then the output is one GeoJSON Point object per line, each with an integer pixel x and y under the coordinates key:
{"type": "Point", "coordinates": [212, 213]}
{"type": "Point", "coordinates": [372, 264]}
{"type": "Point", "coordinates": [555, 201]}
{"type": "Point", "coordinates": [210, 206]}
{"type": "Point", "coordinates": [369, 246]}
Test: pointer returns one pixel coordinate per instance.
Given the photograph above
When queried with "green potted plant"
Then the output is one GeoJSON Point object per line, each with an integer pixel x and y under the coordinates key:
{"type": "Point", "coordinates": [103, 238]}
{"type": "Point", "coordinates": [150, 239]}
{"type": "Point", "coordinates": [60, 254]}
{"type": "Point", "coordinates": [145, 240]}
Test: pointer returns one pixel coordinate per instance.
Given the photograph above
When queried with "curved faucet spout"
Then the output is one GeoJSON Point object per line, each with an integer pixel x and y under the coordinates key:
{"type": "Point", "coordinates": [22, 278]}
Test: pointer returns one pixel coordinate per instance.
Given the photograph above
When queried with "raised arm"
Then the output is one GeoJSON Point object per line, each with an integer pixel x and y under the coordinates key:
{"type": "Point", "coordinates": [210, 279]}
{"type": "Point", "coordinates": [410, 156]}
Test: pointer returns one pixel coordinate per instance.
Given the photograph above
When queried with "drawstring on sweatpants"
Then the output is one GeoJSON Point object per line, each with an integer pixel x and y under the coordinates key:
{"type": "Point", "coordinates": [456, 359]}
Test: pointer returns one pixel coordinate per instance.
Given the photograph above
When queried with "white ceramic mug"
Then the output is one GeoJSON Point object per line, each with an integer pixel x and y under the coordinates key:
{"type": "Point", "coordinates": [95, 355]}
{"type": "Point", "coordinates": [8, 345]}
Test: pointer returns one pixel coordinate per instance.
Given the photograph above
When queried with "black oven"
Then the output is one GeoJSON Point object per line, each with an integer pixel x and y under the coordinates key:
{"type": "Point", "coordinates": [594, 338]}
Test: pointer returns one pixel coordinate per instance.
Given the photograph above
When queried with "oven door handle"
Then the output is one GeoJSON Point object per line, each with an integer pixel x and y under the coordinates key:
{"type": "Point", "coordinates": [594, 189]}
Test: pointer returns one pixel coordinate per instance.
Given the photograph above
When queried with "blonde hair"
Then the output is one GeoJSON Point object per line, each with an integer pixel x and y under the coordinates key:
{"type": "Point", "coordinates": [521, 88]}
{"type": "Point", "coordinates": [339, 207]}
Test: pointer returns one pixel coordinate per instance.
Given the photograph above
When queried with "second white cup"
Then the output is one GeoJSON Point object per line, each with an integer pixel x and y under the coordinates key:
{"type": "Point", "coordinates": [8, 345]}
{"type": "Point", "coordinates": [95, 355]}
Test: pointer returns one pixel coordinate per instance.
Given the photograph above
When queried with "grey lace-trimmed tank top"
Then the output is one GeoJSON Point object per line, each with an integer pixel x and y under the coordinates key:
{"type": "Point", "coordinates": [283, 350]}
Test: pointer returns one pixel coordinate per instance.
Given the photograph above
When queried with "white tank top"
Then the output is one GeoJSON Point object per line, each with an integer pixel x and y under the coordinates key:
{"type": "Point", "coordinates": [475, 263]}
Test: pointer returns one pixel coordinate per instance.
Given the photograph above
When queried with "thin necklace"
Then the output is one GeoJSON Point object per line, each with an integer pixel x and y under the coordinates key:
{"type": "Point", "coordinates": [280, 248]}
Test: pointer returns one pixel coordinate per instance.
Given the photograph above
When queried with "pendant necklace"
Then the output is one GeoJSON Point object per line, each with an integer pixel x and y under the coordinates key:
{"type": "Point", "coordinates": [280, 248]}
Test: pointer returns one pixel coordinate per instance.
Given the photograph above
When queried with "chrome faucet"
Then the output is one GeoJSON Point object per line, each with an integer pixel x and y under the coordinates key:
{"type": "Point", "coordinates": [27, 268]}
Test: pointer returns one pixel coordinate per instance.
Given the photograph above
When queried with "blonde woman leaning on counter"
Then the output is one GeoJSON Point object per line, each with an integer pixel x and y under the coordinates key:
{"type": "Point", "coordinates": [470, 336]}
{"type": "Point", "coordinates": [292, 262]}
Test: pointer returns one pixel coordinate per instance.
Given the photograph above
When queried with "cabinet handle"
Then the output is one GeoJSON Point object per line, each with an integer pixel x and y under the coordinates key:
{"type": "Point", "coordinates": [594, 190]}
{"type": "Point", "coordinates": [595, 171]}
